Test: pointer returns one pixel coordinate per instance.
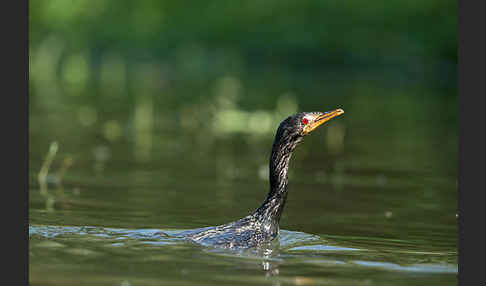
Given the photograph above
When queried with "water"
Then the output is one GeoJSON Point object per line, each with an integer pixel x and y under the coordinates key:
{"type": "Point", "coordinates": [299, 258]}
{"type": "Point", "coordinates": [372, 195]}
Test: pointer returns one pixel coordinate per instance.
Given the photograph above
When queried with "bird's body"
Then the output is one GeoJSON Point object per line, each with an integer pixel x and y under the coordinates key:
{"type": "Point", "coordinates": [245, 232]}
{"type": "Point", "coordinates": [262, 225]}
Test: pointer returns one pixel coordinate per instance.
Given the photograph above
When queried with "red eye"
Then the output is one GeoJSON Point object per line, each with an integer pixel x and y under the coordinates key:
{"type": "Point", "coordinates": [305, 121]}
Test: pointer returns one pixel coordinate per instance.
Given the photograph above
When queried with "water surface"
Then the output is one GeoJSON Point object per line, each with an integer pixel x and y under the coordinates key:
{"type": "Point", "coordinates": [298, 258]}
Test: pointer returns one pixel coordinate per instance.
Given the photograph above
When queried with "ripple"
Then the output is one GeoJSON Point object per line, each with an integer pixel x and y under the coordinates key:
{"type": "Point", "coordinates": [320, 247]}
{"type": "Point", "coordinates": [291, 247]}
{"type": "Point", "coordinates": [428, 268]}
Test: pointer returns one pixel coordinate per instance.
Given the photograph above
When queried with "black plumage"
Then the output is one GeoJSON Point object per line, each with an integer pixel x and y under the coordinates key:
{"type": "Point", "coordinates": [262, 225]}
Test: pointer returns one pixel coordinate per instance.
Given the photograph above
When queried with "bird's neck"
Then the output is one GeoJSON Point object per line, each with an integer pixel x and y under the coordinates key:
{"type": "Point", "coordinates": [271, 209]}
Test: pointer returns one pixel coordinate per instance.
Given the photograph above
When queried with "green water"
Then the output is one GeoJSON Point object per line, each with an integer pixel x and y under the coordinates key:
{"type": "Point", "coordinates": [372, 195]}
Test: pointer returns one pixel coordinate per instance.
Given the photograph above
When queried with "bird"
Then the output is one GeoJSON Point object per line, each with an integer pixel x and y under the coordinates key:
{"type": "Point", "coordinates": [261, 226]}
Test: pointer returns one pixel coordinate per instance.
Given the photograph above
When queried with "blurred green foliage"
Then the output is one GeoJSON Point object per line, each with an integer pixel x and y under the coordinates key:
{"type": "Point", "coordinates": [203, 39]}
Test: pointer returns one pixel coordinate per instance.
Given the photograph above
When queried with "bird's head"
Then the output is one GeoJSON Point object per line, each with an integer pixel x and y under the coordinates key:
{"type": "Point", "coordinates": [290, 132]}
{"type": "Point", "coordinates": [303, 123]}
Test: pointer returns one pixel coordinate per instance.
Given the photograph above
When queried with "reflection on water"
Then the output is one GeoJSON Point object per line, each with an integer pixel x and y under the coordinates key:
{"type": "Point", "coordinates": [97, 245]}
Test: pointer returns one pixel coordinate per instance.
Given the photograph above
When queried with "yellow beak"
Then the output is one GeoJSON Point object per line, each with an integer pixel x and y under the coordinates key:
{"type": "Point", "coordinates": [320, 119]}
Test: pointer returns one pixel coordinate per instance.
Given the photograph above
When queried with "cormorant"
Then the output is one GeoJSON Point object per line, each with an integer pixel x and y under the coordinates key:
{"type": "Point", "coordinates": [262, 225]}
